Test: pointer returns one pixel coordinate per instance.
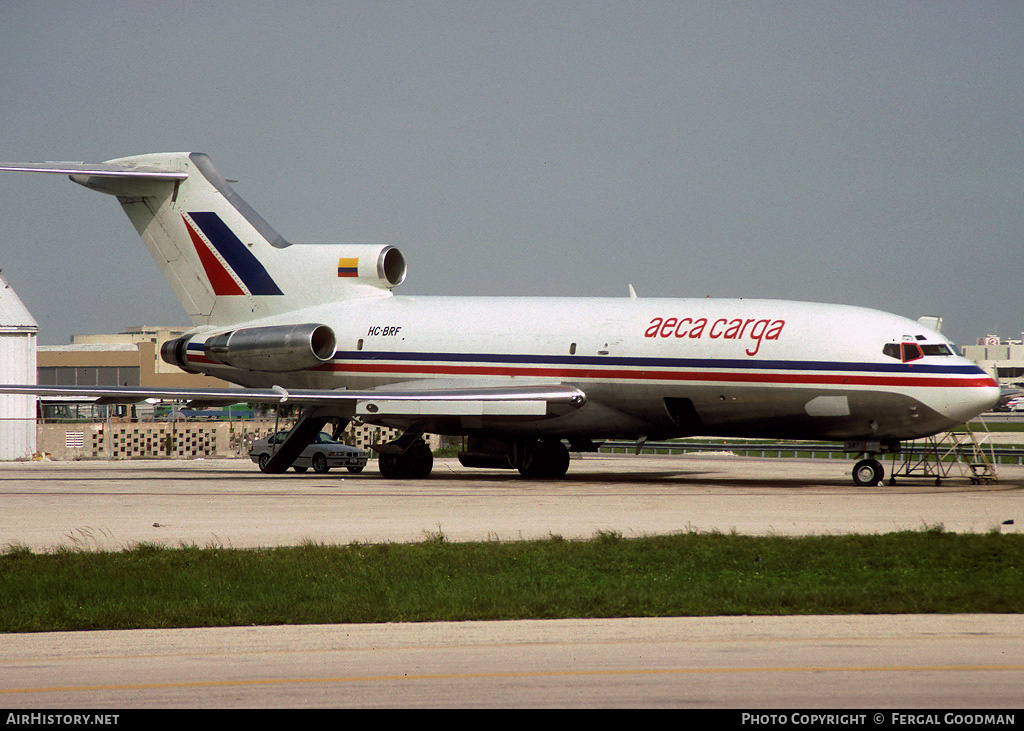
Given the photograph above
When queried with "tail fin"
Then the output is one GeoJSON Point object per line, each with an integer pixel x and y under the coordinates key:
{"type": "Point", "coordinates": [223, 261]}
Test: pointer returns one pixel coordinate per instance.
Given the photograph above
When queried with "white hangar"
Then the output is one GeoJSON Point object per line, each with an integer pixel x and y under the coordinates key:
{"type": "Point", "coordinates": [18, 331]}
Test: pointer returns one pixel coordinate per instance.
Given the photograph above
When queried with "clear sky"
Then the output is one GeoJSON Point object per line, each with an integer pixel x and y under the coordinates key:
{"type": "Point", "coordinates": [867, 153]}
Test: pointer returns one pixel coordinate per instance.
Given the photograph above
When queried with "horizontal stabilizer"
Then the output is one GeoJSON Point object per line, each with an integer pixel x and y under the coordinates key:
{"type": "Point", "coordinates": [102, 170]}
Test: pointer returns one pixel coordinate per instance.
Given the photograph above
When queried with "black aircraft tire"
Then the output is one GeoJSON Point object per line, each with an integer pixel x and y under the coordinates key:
{"type": "Point", "coordinates": [868, 473]}
{"type": "Point", "coordinates": [545, 460]}
{"type": "Point", "coordinates": [415, 463]}
{"type": "Point", "coordinates": [421, 461]}
{"type": "Point", "coordinates": [390, 466]}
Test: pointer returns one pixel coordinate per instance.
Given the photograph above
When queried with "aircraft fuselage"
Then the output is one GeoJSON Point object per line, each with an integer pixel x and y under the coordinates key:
{"type": "Point", "coordinates": [650, 367]}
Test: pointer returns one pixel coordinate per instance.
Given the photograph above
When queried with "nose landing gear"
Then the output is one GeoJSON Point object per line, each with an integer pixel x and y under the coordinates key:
{"type": "Point", "coordinates": [868, 472]}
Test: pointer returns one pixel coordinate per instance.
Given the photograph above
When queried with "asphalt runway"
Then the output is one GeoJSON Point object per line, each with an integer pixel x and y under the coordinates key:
{"type": "Point", "coordinates": [740, 662]}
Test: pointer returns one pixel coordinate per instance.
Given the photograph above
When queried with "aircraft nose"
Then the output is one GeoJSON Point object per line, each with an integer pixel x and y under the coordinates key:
{"type": "Point", "coordinates": [972, 402]}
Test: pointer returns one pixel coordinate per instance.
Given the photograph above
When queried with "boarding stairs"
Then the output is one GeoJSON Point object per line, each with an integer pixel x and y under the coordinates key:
{"type": "Point", "coordinates": [964, 452]}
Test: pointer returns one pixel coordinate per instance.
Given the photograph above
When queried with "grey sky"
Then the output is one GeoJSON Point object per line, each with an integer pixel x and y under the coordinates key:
{"type": "Point", "coordinates": [862, 153]}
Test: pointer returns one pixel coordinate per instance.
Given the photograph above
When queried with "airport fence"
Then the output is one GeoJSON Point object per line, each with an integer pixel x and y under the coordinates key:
{"type": "Point", "coordinates": [183, 439]}
{"type": "Point", "coordinates": [177, 439]}
{"type": "Point", "coordinates": [776, 449]}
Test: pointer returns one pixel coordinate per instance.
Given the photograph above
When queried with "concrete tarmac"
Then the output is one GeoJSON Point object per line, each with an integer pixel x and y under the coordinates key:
{"type": "Point", "coordinates": [112, 505]}
{"type": "Point", "coordinates": [873, 662]}
{"type": "Point", "coordinates": [738, 662]}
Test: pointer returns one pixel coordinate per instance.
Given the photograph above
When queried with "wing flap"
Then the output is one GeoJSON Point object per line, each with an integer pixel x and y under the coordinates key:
{"type": "Point", "coordinates": [474, 407]}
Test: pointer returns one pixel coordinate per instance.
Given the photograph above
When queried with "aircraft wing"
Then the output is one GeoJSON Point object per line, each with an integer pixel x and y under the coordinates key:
{"type": "Point", "coordinates": [519, 400]}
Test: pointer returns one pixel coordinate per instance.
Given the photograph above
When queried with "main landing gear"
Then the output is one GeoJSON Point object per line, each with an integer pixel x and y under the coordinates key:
{"type": "Point", "coordinates": [406, 458]}
{"type": "Point", "coordinates": [414, 463]}
{"type": "Point", "coordinates": [542, 459]}
{"type": "Point", "coordinates": [537, 459]}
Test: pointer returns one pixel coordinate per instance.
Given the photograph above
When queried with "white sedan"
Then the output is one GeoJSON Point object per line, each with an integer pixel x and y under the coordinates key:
{"type": "Point", "coordinates": [322, 454]}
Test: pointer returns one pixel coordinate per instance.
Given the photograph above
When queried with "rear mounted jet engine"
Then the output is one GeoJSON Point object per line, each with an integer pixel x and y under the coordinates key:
{"type": "Point", "coordinates": [278, 348]}
{"type": "Point", "coordinates": [381, 266]}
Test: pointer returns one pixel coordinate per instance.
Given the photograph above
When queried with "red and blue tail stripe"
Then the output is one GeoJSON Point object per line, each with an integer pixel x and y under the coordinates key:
{"type": "Point", "coordinates": [238, 259]}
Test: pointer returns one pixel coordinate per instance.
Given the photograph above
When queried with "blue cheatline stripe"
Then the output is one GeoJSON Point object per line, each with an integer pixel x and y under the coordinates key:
{"type": "Point", "coordinates": [584, 360]}
{"type": "Point", "coordinates": [604, 360]}
{"type": "Point", "coordinates": [235, 253]}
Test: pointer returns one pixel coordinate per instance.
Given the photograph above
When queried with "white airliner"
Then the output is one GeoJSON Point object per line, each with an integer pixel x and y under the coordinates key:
{"type": "Point", "coordinates": [524, 379]}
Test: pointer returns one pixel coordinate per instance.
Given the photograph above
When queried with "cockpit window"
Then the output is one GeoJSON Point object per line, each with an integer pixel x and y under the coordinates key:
{"type": "Point", "coordinates": [911, 351]}
{"type": "Point", "coordinates": [907, 352]}
{"type": "Point", "coordinates": [936, 350]}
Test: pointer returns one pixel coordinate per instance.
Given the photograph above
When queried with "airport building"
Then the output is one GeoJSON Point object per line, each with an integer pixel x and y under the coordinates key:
{"type": "Point", "coordinates": [1001, 359]}
{"type": "Point", "coordinates": [130, 358]}
{"type": "Point", "coordinates": [18, 332]}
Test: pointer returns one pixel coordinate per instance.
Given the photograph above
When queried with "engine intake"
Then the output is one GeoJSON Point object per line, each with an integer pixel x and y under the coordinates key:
{"type": "Point", "coordinates": [276, 348]}
{"type": "Point", "coordinates": [391, 267]}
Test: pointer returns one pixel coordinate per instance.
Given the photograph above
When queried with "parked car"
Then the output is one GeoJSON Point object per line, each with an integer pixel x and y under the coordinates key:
{"type": "Point", "coordinates": [1014, 403]}
{"type": "Point", "coordinates": [322, 454]}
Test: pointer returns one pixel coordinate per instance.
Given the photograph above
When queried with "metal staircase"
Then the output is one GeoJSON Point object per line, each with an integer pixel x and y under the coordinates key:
{"type": "Point", "coordinates": [965, 452]}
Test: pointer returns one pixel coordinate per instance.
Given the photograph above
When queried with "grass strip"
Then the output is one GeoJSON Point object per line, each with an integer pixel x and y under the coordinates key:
{"type": "Point", "coordinates": [692, 574]}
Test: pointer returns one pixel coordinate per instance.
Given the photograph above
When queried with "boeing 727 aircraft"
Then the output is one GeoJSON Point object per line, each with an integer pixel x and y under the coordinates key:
{"type": "Point", "coordinates": [524, 379]}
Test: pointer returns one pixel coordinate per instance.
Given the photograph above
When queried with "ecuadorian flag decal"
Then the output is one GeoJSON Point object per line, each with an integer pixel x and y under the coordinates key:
{"type": "Point", "coordinates": [348, 267]}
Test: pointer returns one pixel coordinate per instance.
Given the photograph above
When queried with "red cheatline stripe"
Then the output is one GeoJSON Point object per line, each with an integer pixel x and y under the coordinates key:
{"type": "Point", "coordinates": [656, 375]}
